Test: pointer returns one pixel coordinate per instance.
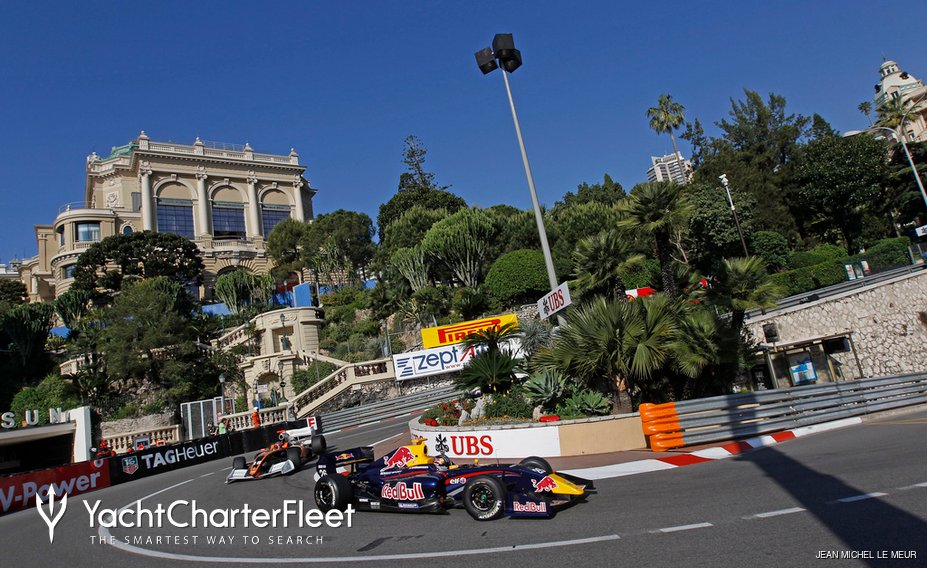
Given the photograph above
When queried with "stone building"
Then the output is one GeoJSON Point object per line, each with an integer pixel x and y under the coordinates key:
{"type": "Point", "coordinates": [896, 85]}
{"type": "Point", "coordinates": [223, 197]}
{"type": "Point", "coordinates": [875, 330]}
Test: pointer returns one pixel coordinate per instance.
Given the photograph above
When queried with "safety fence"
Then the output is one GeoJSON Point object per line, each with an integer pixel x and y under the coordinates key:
{"type": "Point", "coordinates": [399, 406]}
{"type": "Point", "coordinates": [728, 417]}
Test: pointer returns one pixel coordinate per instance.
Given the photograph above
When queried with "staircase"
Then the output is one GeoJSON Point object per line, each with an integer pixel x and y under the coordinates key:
{"type": "Point", "coordinates": [345, 377]}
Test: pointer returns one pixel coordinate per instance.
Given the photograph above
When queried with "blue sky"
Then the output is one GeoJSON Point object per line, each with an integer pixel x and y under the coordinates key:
{"type": "Point", "coordinates": [345, 82]}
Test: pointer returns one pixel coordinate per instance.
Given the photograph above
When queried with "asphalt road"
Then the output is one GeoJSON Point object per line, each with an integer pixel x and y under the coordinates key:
{"type": "Point", "coordinates": [859, 492]}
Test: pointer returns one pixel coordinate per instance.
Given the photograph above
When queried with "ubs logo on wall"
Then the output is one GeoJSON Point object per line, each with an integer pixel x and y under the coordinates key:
{"type": "Point", "coordinates": [130, 465]}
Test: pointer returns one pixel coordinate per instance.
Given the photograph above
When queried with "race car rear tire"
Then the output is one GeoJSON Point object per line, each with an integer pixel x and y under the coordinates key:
{"type": "Point", "coordinates": [294, 455]}
{"type": "Point", "coordinates": [333, 492]}
{"type": "Point", "coordinates": [535, 462]}
{"type": "Point", "coordinates": [239, 463]}
{"type": "Point", "coordinates": [318, 445]}
{"type": "Point", "coordinates": [484, 498]}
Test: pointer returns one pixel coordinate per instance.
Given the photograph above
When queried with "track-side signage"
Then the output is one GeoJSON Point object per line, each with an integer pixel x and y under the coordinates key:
{"type": "Point", "coordinates": [455, 333]}
{"type": "Point", "coordinates": [554, 301]}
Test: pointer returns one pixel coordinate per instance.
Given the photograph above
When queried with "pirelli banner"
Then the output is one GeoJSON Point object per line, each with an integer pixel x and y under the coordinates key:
{"type": "Point", "coordinates": [445, 335]}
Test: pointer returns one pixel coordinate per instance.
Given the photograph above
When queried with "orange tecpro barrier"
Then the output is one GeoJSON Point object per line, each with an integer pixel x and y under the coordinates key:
{"type": "Point", "coordinates": [660, 423]}
{"type": "Point", "coordinates": [455, 333]}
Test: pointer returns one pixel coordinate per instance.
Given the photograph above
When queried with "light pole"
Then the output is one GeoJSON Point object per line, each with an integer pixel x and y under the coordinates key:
{"type": "Point", "coordinates": [222, 386]}
{"type": "Point", "coordinates": [907, 153]}
{"type": "Point", "coordinates": [282, 382]}
{"type": "Point", "coordinates": [727, 189]}
{"type": "Point", "coordinates": [503, 50]}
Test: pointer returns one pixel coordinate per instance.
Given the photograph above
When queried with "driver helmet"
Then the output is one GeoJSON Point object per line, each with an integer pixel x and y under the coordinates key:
{"type": "Point", "coordinates": [442, 462]}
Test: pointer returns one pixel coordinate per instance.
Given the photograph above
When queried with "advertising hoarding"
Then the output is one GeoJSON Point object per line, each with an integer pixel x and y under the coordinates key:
{"type": "Point", "coordinates": [444, 335]}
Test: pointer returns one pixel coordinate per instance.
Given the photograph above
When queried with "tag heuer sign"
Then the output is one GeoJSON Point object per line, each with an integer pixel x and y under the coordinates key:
{"type": "Point", "coordinates": [130, 465]}
{"type": "Point", "coordinates": [554, 301]}
{"type": "Point", "coordinates": [450, 334]}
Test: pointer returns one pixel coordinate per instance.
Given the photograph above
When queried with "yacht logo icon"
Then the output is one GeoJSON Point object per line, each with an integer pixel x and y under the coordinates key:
{"type": "Point", "coordinates": [51, 518]}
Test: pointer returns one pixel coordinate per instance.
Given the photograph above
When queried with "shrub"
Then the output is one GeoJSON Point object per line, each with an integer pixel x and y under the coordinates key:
{"type": "Point", "coordinates": [886, 254]}
{"type": "Point", "coordinates": [640, 274]}
{"type": "Point", "coordinates": [545, 388]}
{"type": "Point", "coordinates": [445, 413]}
{"type": "Point", "coordinates": [810, 278]}
{"type": "Point", "coordinates": [51, 392]}
{"type": "Point", "coordinates": [311, 374]}
{"type": "Point", "coordinates": [774, 249]}
{"type": "Point", "coordinates": [584, 403]}
{"type": "Point", "coordinates": [511, 405]}
{"type": "Point", "coordinates": [817, 255]}
{"type": "Point", "coordinates": [518, 277]}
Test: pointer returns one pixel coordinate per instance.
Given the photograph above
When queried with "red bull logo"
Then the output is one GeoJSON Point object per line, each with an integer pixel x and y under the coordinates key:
{"type": "Point", "coordinates": [400, 458]}
{"type": "Point", "coordinates": [546, 484]}
{"type": "Point", "coordinates": [529, 507]}
{"type": "Point", "coordinates": [345, 456]}
{"type": "Point", "coordinates": [402, 492]}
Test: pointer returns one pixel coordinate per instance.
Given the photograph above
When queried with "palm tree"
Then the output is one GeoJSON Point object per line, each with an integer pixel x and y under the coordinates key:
{"type": "Point", "coordinates": [598, 261]}
{"type": "Point", "coordinates": [667, 116]}
{"type": "Point", "coordinates": [659, 208]}
{"type": "Point", "coordinates": [488, 371]}
{"type": "Point", "coordinates": [492, 338]}
{"type": "Point", "coordinates": [892, 113]}
{"type": "Point", "coordinates": [743, 284]}
{"type": "Point", "coordinates": [646, 346]}
{"type": "Point", "coordinates": [865, 107]}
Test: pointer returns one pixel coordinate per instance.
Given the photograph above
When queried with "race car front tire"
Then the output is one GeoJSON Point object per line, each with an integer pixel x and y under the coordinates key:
{"type": "Point", "coordinates": [239, 463]}
{"type": "Point", "coordinates": [318, 445]}
{"type": "Point", "coordinates": [293, 454]}
{"type": "Point", "coordinates": [333, 492]}
{"type": "Point", "coordinates": [484, 498]}
{"type": "Point", "coordinates": [535, 462]}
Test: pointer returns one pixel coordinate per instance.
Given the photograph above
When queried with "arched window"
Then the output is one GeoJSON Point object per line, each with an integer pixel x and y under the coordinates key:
{"type": "Point", "coordinates": [275, 207]}
{"type": "Point", "coordinates": [175, 211]}
{"type": "Point", "coordinates": [228, 214]}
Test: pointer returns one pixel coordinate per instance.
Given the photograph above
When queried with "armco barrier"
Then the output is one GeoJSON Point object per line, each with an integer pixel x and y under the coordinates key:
{"type": "Point", "coordinates": [19, 491]}
{"type": "Point", "coordinates": [727, 417]}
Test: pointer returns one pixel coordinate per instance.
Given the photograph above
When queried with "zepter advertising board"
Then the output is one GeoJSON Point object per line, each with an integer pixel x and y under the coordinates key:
{"type": "Point", "coordinates": [455, 333]}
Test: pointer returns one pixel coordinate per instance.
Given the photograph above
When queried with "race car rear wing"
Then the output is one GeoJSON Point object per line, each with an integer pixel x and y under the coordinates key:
{"type": "Point", "coordinates": [333, 462]}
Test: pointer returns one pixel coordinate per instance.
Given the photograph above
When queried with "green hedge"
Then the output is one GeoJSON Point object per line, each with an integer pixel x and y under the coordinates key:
{"type": "Point", "coordinates": [884, 255]}
{"type": "Point", "coordinates": [817, 255]}
{"type": "Point", "coordinates": [518, 277]}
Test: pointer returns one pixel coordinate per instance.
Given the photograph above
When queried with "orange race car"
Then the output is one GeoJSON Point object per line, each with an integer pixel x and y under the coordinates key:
{"type": "Point", "coordinates": [287, 456]}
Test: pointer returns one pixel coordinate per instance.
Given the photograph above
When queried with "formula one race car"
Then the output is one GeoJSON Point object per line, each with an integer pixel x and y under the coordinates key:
{"type": "Point", "coordinates": [408, 480]}
{"type": "Point", "coordinates": [284, 457]}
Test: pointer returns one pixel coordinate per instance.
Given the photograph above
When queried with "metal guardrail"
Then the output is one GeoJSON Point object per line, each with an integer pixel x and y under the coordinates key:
{"type": "Point", "coordinates": [728, 417]}
{"type": "Point", "coordinates": [837, 289]}
{"type": "Point", "coordinates": [387, 409]}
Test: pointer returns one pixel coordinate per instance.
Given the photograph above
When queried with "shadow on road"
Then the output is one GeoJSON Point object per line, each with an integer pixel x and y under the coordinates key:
{"type": "Point", "coordinates": [870, 525]}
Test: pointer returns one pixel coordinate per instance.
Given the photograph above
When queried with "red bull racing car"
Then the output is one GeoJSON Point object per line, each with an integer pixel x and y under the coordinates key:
{"type": "Point", "coordinates": [295, 448]}
{"type": "Point", "coordinates": [408, 480]}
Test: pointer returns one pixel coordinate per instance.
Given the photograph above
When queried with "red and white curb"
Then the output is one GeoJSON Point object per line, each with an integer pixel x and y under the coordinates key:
{"type": "Point", "coordinates": [706, 455]}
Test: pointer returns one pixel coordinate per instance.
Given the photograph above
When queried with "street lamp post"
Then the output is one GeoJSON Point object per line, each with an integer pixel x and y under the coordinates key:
{"type": "Point", "coordinates": [503, 54]}
{"type": "Point", "coordinates": [730, 200]}
{"type": "Point", "coordinates": [222, 386]}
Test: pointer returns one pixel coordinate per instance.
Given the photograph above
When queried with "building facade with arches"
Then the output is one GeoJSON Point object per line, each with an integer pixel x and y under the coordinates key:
{"type": "Point", "coordinates": [225, 198]}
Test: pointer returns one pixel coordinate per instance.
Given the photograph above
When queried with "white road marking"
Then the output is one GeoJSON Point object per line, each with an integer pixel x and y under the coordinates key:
{"type": "Point", "coordinates": [684, 528]}
{"type": "Point", "coordinates": [386, 439]}
{"type": "Point", "coordinates": [768, 514]}
{"type": "Point", "coordinates": [207, 474]}
{"type": "Point", "coordinates": [860, 497]}
{"type": "Point", "coordinates": [380, 558]}
{"type": "Point", "coordinates": [915, 486]}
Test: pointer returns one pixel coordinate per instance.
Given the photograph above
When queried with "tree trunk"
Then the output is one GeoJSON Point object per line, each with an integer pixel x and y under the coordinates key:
{"type": "Point", "coordinates": [664, 255]}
